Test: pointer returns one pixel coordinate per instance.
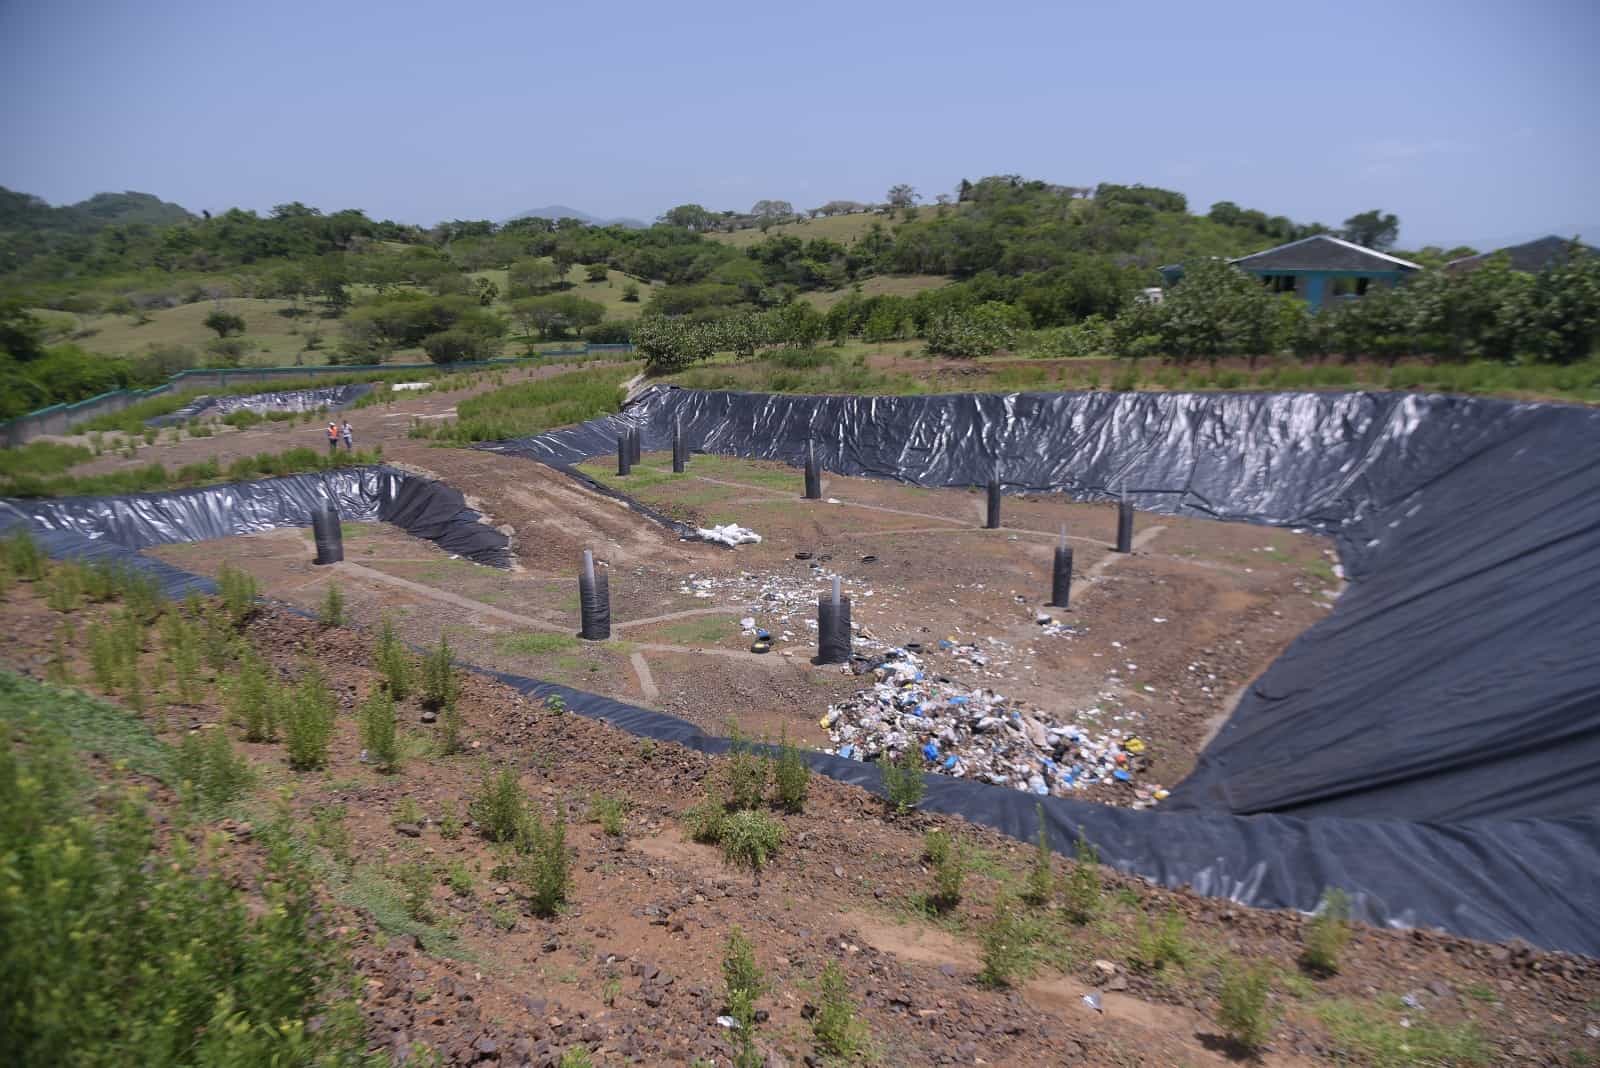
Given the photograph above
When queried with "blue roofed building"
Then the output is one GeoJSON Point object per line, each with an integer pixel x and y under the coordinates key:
{"type": "Point", "coordinates": [1319, 269]}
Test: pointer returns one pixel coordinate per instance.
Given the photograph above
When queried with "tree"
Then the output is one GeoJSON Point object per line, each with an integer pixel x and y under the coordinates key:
{"type": "Point", "coordinates": [225, 323]}
{"type": "Point", "coordinates": [1372, 229]}
{"type": "Point", "coordinates": [21, 332]}
{"type": "Point", "coordinates": [688, 216]}
{"type": "Point", "coordinates": [527, 277]}
{"type": "Point", "coordinates": [669, 345]}
{"type": "Point", "coordinates": [597, 272]}
{"type": "Point", "coordinates": [903, 196]}
{"type": "Point", "coordinates": [486, 291]}
{"type": "Point", "coordinates": [630, 292]}
{"type": "Point", "coordinates": [556, 314]}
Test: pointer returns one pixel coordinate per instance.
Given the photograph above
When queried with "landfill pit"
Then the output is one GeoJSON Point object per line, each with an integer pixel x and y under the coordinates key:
{"type": "Point", "coordinates": [955, 652]}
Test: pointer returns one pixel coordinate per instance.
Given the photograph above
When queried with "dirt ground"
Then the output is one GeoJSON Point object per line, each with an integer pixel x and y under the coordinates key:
{"type": "Point", "coordinates": [631, 971]}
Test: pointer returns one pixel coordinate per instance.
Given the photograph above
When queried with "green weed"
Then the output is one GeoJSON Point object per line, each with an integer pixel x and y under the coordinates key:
{"type": "Point", "coordinates": [1041, 876]}
{"type": "Point", "coordinates": [393, 662]}
{"type": "Point", "coordinates": [499, 808]}
{"type": "Point", "coordinates": [1006, 946]}
{"type": "Point", "coordinates": [749, 839]}
{"type": "Point", "coordinates": [1243, 1012]}
{"type": "Point", "coordinates": [331, 614]}
{"type": "Point", "coordinates": [545, 872]}
{"type": "Point", "coordinates": [609, 812]}
{"type": "Point", "coordinates": [791, 776]}
{"type": "Point", "coordinates": [902, 780]}
{"type": "Point", "coordinates": [378, 732]}
{"type": "Point", "coordinates": [838, 1029]}
{"type": "Point", "coordinates": [1327, 934]}
{"type": "Point", "coordinates": [308, 720]}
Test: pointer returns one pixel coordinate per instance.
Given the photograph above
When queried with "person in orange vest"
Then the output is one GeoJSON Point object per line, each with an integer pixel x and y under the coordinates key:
{"type": "Point", "coordinates": [333, 437]}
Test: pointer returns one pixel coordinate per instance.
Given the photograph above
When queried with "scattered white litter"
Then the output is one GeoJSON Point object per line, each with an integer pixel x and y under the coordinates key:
{"type": "Point", "coordinates": [400, 386]}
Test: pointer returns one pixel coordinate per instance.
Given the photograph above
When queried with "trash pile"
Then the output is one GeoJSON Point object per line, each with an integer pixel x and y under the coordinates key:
{"type": "Point", "coordinates": [729, 534]}
{"type": "Point", "coordinates": [979, 734]}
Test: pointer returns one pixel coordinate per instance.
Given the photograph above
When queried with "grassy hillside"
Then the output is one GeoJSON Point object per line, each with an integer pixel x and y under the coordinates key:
{"type": "Point", "coordinates": [275, 339]}
{"type": "Point", "coordinates": [896, 285]}
{"type": "Point", "coordinates": [845, 229]}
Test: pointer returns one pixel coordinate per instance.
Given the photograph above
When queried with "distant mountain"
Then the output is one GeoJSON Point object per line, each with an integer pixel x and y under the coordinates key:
{"type": "Point", "coordinates": [21, 212]}
{"type": "Point", "coordinates": [561, 211]}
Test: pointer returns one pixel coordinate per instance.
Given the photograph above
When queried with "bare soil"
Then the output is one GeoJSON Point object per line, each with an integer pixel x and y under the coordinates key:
{"type": "Point", "coordinates": [630, 969]}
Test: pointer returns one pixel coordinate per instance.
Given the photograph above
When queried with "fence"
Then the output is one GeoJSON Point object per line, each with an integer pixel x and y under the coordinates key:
{"type": "Point", "coordinates": [61, 418]}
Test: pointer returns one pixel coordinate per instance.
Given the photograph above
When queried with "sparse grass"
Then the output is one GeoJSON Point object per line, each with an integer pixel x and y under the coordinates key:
{"type": "Point", "coordinates": [1326, 934]}
{"type": "Point", "coordinates": [536, 643]}
{"type": "Point", "coordinates": [1376, 1036]}
{"type": "Point", "coordinates": [1243, 1011]}
{"type": "Point", "coordinates": [609, 812]}
{"type": "Point", "coordinates": [902, 780]}
{"type": "Point", "coordinates": [532, 407]}
{"type": "Point", "coordinates": [702, 630]}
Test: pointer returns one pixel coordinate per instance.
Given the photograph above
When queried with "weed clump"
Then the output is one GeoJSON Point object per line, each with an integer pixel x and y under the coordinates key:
{"type": "Point", "coordinates": [1041, 876]}
{"type": "Point", "coordinates": [1159, 944]}
{"type": "Point", "coordinates": [238, 592]}
{"type": "Point", "coordinates": [704, 821]}
{"type": "Point", "coordinates": [948, 858]}
{"type": "Point", "coordinates": [211, 773]}
{"type": "Point", "coordinates": [546, 870]}
{"type": "Point", "coordinates": [378, 733]}
{"type": "Point", "coordinates": [331, 614]}
{"type": "Point", "coordinates": [308, 723]}
{"type": "Point", "coordinates": [902, 780]}
{"type": "Point", "coordinates": [749, 839]}
{"type": "Point", "coordinates": [23, 557]}
{"type": "Point", "coordinates": [746, 774]}
{"type": "Point", "coordinates": [393, 663]}
{"type": "Point", "coordinates": [1082, 892]}
{"type": "Point", "coordinates": [839, 1031]}
{"type": "Point", "coordinates": [791, 776]}
{"type": "Point", "coordinates": [1243, 1012]}
{"type": "Point", "coordinates": [609, 812]}
{"type": "Point", "coordinates": [1326, 934]}
{"type": "Point", "coordinates": [1006, 946]}
{"type": "Point", "coordinates": [499, 809]}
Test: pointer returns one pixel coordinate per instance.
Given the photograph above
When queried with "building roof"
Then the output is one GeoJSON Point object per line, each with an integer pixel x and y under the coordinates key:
{"type": "Point", "coordinates": [1531, 256]}
{"type": "Point", "coordinates": [1324, 252]}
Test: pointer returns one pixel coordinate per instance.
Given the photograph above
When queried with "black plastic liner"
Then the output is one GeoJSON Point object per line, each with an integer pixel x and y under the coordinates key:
{"type": "Point", "coordinates": [419, 506]}
{"type": "Point", "coordinates": [289, 400]}
{"type": "Point", "coordinates": [1432, 747]}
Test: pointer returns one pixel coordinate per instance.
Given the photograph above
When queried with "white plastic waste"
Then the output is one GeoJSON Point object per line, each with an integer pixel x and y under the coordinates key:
{"type": "Point", "coordinates": [729, 534]}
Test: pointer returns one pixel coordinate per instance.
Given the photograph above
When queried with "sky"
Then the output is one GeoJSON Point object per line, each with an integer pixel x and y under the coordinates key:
{"type": "Point", "coordinates": [1473, 121]}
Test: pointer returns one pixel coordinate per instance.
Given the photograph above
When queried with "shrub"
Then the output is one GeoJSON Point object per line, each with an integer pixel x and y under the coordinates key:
{"type": "Point", "coordinates": [1042, 876]}
{"type": "Point", "coordinates": [1006, 950]}
{"type": "Point", "coordinates": [416, 886]}
{"type": "Point", "coordinates": [182, 647]}
{"type": "Point", "coordinates": [378, 735]}
{"type": "Point", "coordinates": [1082, 891]}
{"type": "Point", "coordinates": [949, 861]}
{"type": "Point", "coordinates": [238, 591]}
{"type": "Point", "coordinates": [1326, 934]}
{"type": "Point", "coordinates": [450, 723]}
{"type": "Point", "coordinates": [746, 773]}
{"type": "Point", "coordinates": [449, 823]}
{"type": "Point", "coordinates": [332, 612]}
{"type": "Point", "coordinates": [608, 812]}
{"type": "Point", "coordinates": [838, 1030]}
{"type": "Point", "coordinates": [440, 683]}
{"type": "Point", "coordinates": [749, 839]}
{"type": "Point", "coordinates": [1242, 1010]}
{"type": "Point", "coordinates": [212, 773]}
{"type": "Point", "coordinates": [791, 776]}
{"type": "Point", "coordinates": [308, 721]}
{"type": "Point", "coordinates": [393, 663]}
{"type": "Point", "coordinates": [253, 701]}
{"type": "Point", "coordinates": [705, 820]}
{"type": "Point", "coordinates": [545, 871]}
{"type": "Point", "coordinates": [23, 557]}
{"type": "Point", "coordinates": [743, 983]}
{"type": "Point", "coordinates": [902, 779]}
{"type": "Point", "coordinates": [499, 808]}
{"type": "Point", "coordinates": [1158, 944]}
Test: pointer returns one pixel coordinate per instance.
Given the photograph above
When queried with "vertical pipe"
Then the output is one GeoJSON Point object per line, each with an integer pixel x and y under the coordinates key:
{"type": "Point", "coordinates": [993, 521]}
{"type": "Point", "coordinates": [833, 628]}
{"type": "Point", "coordinates": [1124, 524]}
{"type": "Point", "coordinates": [635, 444]}
{"type": "Point", "coordinates": [677, 446]}
{"type": "Point", "coordinates": [1061, 574]}
{"type": "Point", "coordinates": [813, 476]}
{"type": "Point", "coordinates": [624, 454]}
{"type": "Point", "coordinates": [328, 534]}
{"type": "Point", "coordinates": [594, 601]}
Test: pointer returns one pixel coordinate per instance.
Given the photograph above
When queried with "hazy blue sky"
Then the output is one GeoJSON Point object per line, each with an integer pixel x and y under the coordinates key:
{"type": "Point", "coordinates": [1471, 120]}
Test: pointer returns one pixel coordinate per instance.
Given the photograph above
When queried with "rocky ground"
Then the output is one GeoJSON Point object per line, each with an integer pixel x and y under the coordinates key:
{"type": "Point", "coordinates": [630, 970]}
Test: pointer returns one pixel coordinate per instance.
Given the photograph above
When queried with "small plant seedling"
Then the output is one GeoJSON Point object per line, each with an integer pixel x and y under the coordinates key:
{"type": "Point", "coordinates": [378, 732]}
{"type": "Point", "coordinates": [546, 870]}
{"type": "Point", "coordinates": [1006, 949]}
{"type": "Point", "coordinates": [555, 704]}
{"type": "Point", "coordinates": [332, 611]}
{"type": "Point", "coordinates": [1326, 934]}
{"type": "Point", "coordinates": [902, 780]}
{"type": "Point", "coordinates": [499, 808]}
{"type": "Point", "coordinates": [407, 811]}
{"type": "Point", "coordinates": [1041, 876]}
{"type": "Point", "coordinates": [745, 773]}
{"type": "Point", "coordinates": [704, 821]}
{"type": "Point", "coordinates": [609, 812]}
{"type": "Point", "coordinates": [839, 1031]}
{"type": "Point", "coordinates": [948, 858]}
{"type": "Point", "coordinates": [1081, 895]}
{"type": "Point", "coordinates": [1243, 1012]}
{"type": "Point", "coordinates": [393, 662]}
{"type": "Point", "coordinates": [449, 823]}
{"type": "Point", "coordinates": [791, 776]}
{"type": "Point", "coordinates": [749, 839]}
{"type": "Point", "coordinates": [1161, 943]}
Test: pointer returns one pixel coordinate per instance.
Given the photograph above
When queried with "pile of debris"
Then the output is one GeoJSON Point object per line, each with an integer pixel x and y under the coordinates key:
{"type": "Point", "coordinates": [979, 734]}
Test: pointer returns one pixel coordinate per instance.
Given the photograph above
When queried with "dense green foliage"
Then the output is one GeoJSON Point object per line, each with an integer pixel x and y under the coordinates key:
{"type": "Point", "coordinates": [531, 407]}
{"type": "Point", "coordinates": [117, 952]}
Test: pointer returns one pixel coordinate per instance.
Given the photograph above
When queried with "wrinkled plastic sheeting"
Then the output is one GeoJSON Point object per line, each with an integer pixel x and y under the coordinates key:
{"type": "Point", "coordinates": [1443, 721]}
{"type": "Point", "coordinates": [175, 583]}
{"type": "Point", "coordinates": [421, 507]}
{"type": "Point", "coordinates": [287, 400]}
